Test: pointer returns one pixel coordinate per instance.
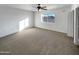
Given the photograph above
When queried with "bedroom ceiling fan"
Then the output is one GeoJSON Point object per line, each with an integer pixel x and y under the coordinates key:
{"type": "Point", "coordinates": [39, 7]}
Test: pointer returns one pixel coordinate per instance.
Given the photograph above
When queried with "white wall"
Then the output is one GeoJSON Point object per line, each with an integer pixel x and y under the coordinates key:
{"type": "Point", "coordinates": [70, 24]}
{"type": "Point", "coordinates": [63, 21]}
{"type": "Point", "coordinates": [10, 18]}
{"type": "Point", "coordinates": [60, 24]}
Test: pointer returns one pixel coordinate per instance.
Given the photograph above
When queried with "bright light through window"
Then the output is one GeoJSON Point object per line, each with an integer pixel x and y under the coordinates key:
{"type": "Point", "coordinates": [23, 24]}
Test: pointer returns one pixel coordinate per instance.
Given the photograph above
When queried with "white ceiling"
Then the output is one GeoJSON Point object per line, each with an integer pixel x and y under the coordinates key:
{"type": "Point", "coordinates": [30, 7]}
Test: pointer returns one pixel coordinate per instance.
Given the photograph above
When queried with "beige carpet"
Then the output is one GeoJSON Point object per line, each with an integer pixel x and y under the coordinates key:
{"type": "Point", "coordinates": [37, 41]}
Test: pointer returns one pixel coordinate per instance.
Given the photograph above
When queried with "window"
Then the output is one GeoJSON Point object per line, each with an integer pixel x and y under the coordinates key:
{"type": "Point", "coordinates": [48, 17]}
{"type": "Point", "coordinates": [23, 24]}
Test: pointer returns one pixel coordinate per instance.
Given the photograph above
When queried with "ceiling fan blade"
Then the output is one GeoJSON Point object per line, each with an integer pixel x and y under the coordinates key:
{"type": "Point", "coordinates": [43, 8]}
{"type": "Point", "coordinates": [39, 4]}
{"type": "Point", "coordinates": [39, 7]}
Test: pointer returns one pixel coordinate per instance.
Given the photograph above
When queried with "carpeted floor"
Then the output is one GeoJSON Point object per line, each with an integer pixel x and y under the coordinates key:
{"type": "Point", "coordinates": [37, 41]}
